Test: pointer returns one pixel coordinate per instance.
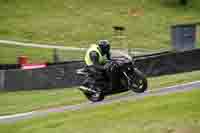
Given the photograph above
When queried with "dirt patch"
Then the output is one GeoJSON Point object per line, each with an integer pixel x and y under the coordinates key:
{"type": "Point", "coordinates": [187, 130]}
{"type": "Point", "coordinates": [135, 12]}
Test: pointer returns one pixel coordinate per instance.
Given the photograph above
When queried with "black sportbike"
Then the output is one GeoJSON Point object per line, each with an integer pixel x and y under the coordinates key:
{"type": "Point", "coordinates": [130, 78]}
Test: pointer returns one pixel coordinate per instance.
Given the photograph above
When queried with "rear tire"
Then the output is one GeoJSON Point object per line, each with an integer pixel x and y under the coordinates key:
{"type": "Point", "coordinates": [94, 97]}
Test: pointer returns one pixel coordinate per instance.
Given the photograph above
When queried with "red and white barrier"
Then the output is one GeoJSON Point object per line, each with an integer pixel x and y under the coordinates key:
{"type": "Point", "coordinates": [32, 66]}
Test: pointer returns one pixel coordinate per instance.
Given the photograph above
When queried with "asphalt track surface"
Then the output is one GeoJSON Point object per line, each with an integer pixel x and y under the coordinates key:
{"type": "Point", "coordinates": [129, 96]}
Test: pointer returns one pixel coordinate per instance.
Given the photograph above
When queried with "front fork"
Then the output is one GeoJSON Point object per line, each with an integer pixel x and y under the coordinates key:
{"type": "Point", "coordinates": [130, 81]}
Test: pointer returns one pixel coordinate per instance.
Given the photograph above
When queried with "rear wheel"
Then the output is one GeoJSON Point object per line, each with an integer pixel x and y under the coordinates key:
{"type": "Point", "coordinates": [94, 97]}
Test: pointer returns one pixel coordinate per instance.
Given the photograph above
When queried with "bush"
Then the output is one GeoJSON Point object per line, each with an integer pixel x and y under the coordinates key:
{"type": "Point", "coordinates": [183, 2]}
{"type": "Point", "coordinates": [172, 2]}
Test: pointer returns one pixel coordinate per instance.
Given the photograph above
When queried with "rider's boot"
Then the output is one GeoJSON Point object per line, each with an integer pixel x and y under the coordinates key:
{"type": "Point", "coordinates": [84, 88]}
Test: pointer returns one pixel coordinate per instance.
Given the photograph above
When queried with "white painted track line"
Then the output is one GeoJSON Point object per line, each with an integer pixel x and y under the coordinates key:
{"type": "Point", "coordinates": [114, 51]}
{"type": "Point", "coordinates": [41, 45]}
{"type": "Point", "coordinates": [16, 115]}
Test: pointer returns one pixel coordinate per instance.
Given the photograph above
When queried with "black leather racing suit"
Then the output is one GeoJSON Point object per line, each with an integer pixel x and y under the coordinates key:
{"type": "Point", "coordinates": [101, 74]}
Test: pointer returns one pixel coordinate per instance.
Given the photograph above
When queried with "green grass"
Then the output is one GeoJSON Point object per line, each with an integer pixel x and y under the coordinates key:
{"type": "Point", "coordinates": [78, 23]}
{"type": "Point", "coordinates": [24, 101]}
{"type": "Point", "coordinates": [174, 113]}
{"type": "Point", "coordinates": [10, 53]}
{"type": "Point", "coordinates": [169, 80]}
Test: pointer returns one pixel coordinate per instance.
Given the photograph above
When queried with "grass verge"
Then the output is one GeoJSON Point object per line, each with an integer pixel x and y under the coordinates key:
{"type": "Point", "coordinates": [173, 113]}
{"type": "Point", "coordinates": [10, 53]}
{"type": "Point", "coordinates": [25, 101]}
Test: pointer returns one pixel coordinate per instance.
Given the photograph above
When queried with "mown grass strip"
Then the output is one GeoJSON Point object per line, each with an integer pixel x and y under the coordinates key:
{"type": "Point", "coordinates": [170, 113]}
{"type": "Point", "coordinates": [10, 54]}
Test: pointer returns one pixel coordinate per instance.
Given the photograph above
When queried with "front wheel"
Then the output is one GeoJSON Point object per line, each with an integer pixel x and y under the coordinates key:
{"type": "Point", "coordinates": [94, 97]}
{"type": "Point", "coordinates": [139, 84]}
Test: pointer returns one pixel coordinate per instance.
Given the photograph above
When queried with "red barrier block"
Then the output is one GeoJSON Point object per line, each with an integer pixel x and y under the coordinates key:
{"type": "Point", "coordinates": [33, 66]}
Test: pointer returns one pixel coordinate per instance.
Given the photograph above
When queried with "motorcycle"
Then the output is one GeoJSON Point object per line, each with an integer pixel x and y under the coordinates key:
{"type": "Point", "coordinates": [130, 78]}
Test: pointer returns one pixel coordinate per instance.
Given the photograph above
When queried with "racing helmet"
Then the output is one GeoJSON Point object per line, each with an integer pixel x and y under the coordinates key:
{"type": "Point", "coordinates": [104, 46]}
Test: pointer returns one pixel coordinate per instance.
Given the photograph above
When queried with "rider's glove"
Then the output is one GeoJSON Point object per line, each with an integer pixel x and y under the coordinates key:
{"type": "Point", "coordinates": [107, 66]}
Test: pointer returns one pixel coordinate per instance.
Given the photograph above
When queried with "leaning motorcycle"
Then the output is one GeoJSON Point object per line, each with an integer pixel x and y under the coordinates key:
{"type": "Point", "coordinates": [130, 79]}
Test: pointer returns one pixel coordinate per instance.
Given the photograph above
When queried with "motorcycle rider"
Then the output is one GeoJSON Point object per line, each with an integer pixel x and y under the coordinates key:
{"type": "Point", "coordinates": [98, 54]}
{"type": "Point", "coordinates": [97, 60]}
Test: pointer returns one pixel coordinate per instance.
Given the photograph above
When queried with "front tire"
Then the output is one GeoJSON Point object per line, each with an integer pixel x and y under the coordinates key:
{"type": "Point", "coordinates": [140, 82]}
